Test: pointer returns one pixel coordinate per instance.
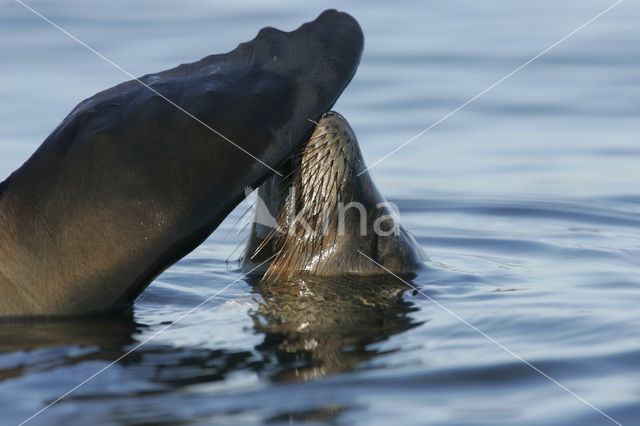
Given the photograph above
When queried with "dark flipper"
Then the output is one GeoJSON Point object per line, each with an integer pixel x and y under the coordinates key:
{"type": "Point", "coordinates": [128, 184]}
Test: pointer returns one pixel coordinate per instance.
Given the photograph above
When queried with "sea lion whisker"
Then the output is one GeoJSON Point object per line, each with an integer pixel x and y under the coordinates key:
{"type": "Point", "coordinates": [242, 216]}
{"type": "Point", "coordinates": [226, 235]}
{"type": "Point", "coordinates": [241, 243]}
{"type": "Point", "coordinates": [264, 242]}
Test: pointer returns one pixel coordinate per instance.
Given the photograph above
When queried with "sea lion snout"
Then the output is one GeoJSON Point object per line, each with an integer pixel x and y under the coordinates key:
{"type": "Point", "coordinates": [328, 213]}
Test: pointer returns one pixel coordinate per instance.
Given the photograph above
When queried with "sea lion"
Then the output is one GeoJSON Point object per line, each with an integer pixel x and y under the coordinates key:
{"type": "Point", "coordinates": [128, 184]}
{"type": "Point", "coordinates": [328, 213]}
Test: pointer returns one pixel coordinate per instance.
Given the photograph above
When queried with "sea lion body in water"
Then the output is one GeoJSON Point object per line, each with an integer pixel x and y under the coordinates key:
{"type": "Point", "coordinates": [128, 184]}
{"type": "Point", "coordinates": [328, 214]}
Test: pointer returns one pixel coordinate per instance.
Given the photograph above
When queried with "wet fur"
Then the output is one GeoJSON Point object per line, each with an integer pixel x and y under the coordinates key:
{"type": "Point", "coordinates": [324, 172]}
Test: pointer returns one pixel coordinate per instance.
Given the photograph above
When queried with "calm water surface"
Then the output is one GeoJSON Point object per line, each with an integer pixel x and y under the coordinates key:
{"type": "Point", "coordinates": [527, 201]}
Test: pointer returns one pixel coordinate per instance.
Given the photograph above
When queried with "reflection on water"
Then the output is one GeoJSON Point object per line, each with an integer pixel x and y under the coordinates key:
{"type": "Point", "coordinates": [318, 326]}
{"type": "Point", "coordinates": [94, 338]}
{"type": "Point", "coordinates": [109, 330]}
{"type": "Point", "coordinates": [311, 329]}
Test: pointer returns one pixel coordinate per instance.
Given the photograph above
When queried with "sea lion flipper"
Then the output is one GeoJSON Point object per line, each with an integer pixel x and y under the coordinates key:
{"type": "Point", "coordinates": [138, 175]}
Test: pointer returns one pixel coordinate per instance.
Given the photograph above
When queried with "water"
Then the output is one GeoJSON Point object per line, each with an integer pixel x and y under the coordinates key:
{"type": "Point", "coordinates": [526, 200]}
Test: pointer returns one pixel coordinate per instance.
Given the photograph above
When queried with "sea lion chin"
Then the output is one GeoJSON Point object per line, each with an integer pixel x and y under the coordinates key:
{"type": "Point", "coordinates": [128, 184]}
{"type": "Point", "coordinates": [329, 215]}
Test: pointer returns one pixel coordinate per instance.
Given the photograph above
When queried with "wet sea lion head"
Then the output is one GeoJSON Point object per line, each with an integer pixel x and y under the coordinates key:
{"type": "Point", "coordinates": [329, 215]}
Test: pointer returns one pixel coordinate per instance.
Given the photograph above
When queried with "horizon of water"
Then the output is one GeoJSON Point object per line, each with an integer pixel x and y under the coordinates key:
{"type": "Point", "coordinates": [526, 200]}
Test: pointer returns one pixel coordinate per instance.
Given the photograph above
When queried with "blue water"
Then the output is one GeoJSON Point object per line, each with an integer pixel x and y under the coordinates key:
{"type": "Point", "coordinates": [527, 201]}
